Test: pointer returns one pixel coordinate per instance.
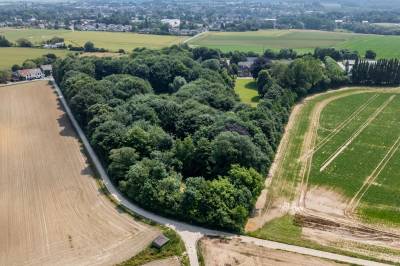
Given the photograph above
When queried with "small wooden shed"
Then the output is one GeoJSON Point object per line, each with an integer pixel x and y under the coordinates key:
{"type": "Point", "coordinates": [160, 241]}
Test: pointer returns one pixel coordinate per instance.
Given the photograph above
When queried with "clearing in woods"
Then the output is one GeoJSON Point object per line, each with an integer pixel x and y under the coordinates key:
{"type": "Point", "coordinates": [337, 171]}
{"type": "Point", "coordinates": [53, 212]}
{"type": "Point", "coordinates": [246, 88]}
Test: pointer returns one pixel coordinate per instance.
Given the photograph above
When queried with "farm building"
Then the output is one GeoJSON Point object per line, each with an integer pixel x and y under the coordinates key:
{"type": "Point", "coordinates": [54, 45]}
{"type": "Point", "coordinates": [245, 66]}
{"type": "Point", "coordinates": [47, 70]}
{"type": "Point", "coordinates": [28, 74]}
{"type": "Point", "coordinates": [160, 241]}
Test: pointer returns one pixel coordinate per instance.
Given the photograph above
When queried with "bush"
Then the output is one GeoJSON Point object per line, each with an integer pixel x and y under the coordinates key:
{"type": "Point", "coordinates": [24, 43]}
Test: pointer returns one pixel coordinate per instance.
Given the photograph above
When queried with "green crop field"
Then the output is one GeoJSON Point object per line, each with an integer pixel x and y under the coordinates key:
{"type": "Point", "coordinates": [356, 152]}
{"type": "Point", "coordinates": [108, 40]}
{"type": "Point", "coordinates": [11, 56]}
{"type": "Point", "coordinates": [247, 91]}
{"type": "Point", "coordinates": [301, 40]}
{"type": "Point", "coordinates": [366, 147]}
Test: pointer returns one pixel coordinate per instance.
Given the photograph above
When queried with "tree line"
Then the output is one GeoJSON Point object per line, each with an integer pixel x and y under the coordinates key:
{"type": "Point", "coordinates": [382, 72]}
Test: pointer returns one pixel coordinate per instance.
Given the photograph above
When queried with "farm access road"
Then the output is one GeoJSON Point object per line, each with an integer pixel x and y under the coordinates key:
{"type": "Point", "coordinates": [191, 234]}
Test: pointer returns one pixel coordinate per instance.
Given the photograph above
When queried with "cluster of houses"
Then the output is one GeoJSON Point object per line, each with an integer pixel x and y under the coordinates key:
{"type": "Point", "coordinates": [91, 25]}
{"type": "Point", "coordinates": [34, 73]}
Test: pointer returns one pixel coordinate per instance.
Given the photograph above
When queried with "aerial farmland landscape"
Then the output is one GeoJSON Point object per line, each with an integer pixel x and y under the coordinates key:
{"type": "Point", "coordinates": [199, 133]}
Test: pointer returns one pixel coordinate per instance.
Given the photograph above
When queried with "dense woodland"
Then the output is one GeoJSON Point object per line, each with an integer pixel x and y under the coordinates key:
{"type": "Point", "coordinates": [172, 133]}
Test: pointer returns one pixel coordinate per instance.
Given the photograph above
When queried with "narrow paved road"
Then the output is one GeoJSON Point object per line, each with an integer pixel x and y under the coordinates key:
{"type": "Point", "coordinates": [194, 37]}
{"type": "Point", "coordinates": [190, 234]}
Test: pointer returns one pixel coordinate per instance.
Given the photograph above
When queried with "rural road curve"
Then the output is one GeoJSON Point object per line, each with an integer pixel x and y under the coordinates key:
{"type": "Point", "coordinates": [190, 234]}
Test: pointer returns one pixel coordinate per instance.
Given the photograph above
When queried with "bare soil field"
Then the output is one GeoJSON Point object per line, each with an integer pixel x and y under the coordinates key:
{"type": "Point", "coordinates": [52, 211]}
{"type": "Point", "coordinates": [217, 252]}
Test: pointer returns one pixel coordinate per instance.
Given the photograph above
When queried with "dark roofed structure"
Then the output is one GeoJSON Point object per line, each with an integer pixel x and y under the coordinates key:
{"type": "Point", "coordinates": [160, 241]}
{"type": "Point", "coordinates": [245, 66]}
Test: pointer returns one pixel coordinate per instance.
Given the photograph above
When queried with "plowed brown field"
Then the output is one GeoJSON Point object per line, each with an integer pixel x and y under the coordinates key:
{"type": "Point", "coordinates": [51, 210]}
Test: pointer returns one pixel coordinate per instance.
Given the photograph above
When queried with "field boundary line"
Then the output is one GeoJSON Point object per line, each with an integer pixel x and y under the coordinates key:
{"type": "Point", "coordinates": [355, 201]}
{"type": "Point", "coordinates": [356, 134]}
{"type": "Point", "coordinates": [342, 125]}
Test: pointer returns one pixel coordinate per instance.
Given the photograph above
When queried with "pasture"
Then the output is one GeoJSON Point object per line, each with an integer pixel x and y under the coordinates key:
{"type": "Point", "coordinates": [108, 40]}
{"type": "Point", "coordinates": [302, 41]}
{"type": "Point", "coordinates": [247, 91]}
{"type": "Point", "coordinates": [12, 55]}
{"type": "Point", "coordinates": [53, 212]}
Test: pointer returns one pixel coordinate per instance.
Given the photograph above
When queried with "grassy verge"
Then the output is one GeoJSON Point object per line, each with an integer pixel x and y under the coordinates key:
{"type": "Point", "coordinates": [200, 253]}
{"type": "Point", "coordinates": [175, 247]}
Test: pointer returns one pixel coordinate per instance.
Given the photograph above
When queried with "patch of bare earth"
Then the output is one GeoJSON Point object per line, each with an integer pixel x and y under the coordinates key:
{"type": "Point", "coordinates": [52, 212]}
{"type": "Point", "coordinates": [267, 207]}
{"type": "Point", "coordinates": [217, 252]}
{"type": "Point", "coordinates": [321, 200]}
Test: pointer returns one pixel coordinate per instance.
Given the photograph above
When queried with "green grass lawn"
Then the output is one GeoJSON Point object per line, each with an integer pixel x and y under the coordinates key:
{"type": "Point", "coordinates": [301, 40]}
{"type": "Point", "coordinates": [108, 40]}
{"type": "Point", "coordinates": [247, 91]}
{"type": "Point", "coordinates": [11, 56]}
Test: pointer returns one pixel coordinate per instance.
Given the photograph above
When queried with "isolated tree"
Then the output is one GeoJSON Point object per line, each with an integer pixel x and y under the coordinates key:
{"type": "Point", "coordinates": [258, 65]}
{"type": "Point", "coordinates": [369, 54]}
{"type": "Point", "coordinates": [28, 64]}
{"type": "Point", "coordinates": [270, 54]}
{"type": "Point", "coordinates": [264, 81]}
{"type": "Point", "coordinates": [15, 68]}
{"type": "Point", "coordinates": [4, 42]}
{"type": "Point", "coordinates": [89, 47]}
{"type": "Point", "coordinates": [5, 76]}
{"type": "Point", "coordinates": [24, 43]}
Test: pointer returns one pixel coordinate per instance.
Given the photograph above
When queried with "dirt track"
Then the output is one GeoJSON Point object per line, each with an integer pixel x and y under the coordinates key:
{"type": "Point", "coordinates": [52, 212]}
{"type": "Point", "coordinates": [218, 252]}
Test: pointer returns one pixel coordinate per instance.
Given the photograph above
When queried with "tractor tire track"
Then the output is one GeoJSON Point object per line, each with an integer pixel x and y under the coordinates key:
{"type": "Point", "coordinates": [344, 146]}
{"type": "Point", "coordinates": [342, 125]}
{"type": "Point", "coordinates": [355, 201]}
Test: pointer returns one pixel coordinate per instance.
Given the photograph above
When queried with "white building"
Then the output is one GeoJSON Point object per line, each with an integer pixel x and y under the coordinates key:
{"type": "Point", "coordinates": [174, 23]}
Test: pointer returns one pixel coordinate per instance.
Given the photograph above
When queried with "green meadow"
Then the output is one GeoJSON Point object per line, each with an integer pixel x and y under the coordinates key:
{"type": "Point", "coordinates": [13, 55]}
{"type": "Point", "coordinates": [108, 40]}
{"type": "Point", "coordinates": [302, 41]}
{"type": "Point", "coordinates": [247, 91]}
